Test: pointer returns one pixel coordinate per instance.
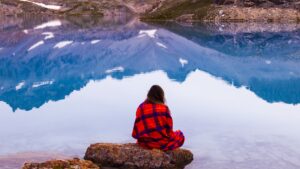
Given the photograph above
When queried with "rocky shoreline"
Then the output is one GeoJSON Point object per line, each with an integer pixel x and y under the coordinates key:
{"type": "Point", "coordinates": [227, 11]}
{"type": "Point", "coordinates": [181, 10]}
{"type": "Point", "coordinates": [252, 14]}
{"type": "Point", "coordinates": [120, 156]}
{"type": "Point", "coordinates": [235, 14]}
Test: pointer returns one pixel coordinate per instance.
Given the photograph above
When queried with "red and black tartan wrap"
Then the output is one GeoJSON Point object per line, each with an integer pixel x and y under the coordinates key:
{"type": "Point", "coordinates": [153, 127]}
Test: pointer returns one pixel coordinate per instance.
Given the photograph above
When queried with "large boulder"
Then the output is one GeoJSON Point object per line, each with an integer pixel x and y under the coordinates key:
{"type": "Point", "coordinates": [132, 156]}
{"type": "Point", "coordinates": [62, 164]}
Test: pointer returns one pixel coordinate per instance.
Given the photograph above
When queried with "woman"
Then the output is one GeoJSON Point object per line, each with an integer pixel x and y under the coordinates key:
{"type": "Point", "coordinates": [153, 126]}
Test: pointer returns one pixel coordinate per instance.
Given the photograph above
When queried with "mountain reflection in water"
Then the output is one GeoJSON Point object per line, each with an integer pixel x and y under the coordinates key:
{"type": "Point", "coordinates": [48, 61]}
{"type": "Point", "coordinates": [220, 81]}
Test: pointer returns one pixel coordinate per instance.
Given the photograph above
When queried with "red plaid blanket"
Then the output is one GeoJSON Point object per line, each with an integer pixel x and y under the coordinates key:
{"type": "Point", "coordinates": [153, 127]}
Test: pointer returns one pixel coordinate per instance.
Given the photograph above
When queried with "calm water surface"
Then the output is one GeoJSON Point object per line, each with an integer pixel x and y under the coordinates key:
{"type": "Point", "coordinates": [234, 93]}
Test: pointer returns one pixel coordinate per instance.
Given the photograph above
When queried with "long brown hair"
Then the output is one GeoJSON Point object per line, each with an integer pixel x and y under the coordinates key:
{"type": "Point", "coordinates": [156, 95]}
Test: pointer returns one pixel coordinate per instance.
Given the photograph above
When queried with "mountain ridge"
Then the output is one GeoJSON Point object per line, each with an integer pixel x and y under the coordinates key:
{"type": "Point", "coordinates": [180, 10]}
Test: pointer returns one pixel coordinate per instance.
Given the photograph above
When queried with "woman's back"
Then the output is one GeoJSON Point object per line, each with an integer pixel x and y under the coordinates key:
{"type": "Point", "coordinates": [153, 126]}
{"type": "Point", "coordinates": [153, 122]}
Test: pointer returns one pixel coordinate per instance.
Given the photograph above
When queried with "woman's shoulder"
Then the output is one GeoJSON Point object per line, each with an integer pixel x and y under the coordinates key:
{"type": "Point", "coordinates": [160, 107]}
{"type": "Point", "coordinates": [147, 103]}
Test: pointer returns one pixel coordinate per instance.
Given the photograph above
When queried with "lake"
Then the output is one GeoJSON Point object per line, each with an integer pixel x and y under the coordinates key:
{"type": "Point", "coordinates": [233, 89]}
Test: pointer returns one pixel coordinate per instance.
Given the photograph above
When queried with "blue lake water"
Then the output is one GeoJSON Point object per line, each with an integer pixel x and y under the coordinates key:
{"type": "Point", "coordinates": [235, 93]}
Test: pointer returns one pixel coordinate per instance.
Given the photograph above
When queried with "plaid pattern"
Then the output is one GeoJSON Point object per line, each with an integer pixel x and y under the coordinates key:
{"type": "Point", "coordinates": [153, 127]}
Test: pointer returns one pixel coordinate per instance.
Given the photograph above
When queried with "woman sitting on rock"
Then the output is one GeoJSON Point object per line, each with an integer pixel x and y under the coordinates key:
{"type": "Point", "coordinates": [153, 126]}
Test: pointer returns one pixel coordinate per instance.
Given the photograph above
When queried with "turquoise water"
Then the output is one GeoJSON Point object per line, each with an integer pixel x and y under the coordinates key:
{"type": "Point", "coordinates": [234, 93]}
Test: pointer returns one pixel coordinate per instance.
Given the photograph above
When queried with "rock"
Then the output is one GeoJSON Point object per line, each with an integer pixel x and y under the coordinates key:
{"type": "Point", "coordinates": [228, 10]}
{"type": "Point", "coordinates": [94, 8]}
{"type": "Point", "coordinates": [251, 14]}
{"type": "Point", "coordinates": [62, 164]}
{"type": "Point", "coordinates": [132, 156]}
{"type": "Point", "coordinates": [261, 3]}
{"type": "Point", "coordinates": [183, 10]}
{"type": "Point", "coordinates": [185, 18]}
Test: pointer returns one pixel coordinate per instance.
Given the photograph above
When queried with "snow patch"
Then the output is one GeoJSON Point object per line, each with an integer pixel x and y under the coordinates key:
{"type": "Point", "coordinates": [95, 41]}
{"type": "Point", "coordinates": [268, 62]}
{"type": "Point", "coordinates": [161, 45]}
{"type": "Point", "coordinates": [62, 44]}
{"type": "Point", "coordinates": [38, 84]}
{"type": "Point", "coordinates": [116, 69]}
{"type": "Point", "coordinates": [25, 31]}
{"type": "Point", "coordinates": [20, 85]}
{"type": "Point", "coordinates": [49, 35]}
{"type": "Point", "coordinates": [151, 33]}
{"type": "Point", "coordinates": [53, 23]}
{"type": "Point", "coordinates": [53, 7]}
{"type": "Point", "coordinates": [183, 62]}
{"type": "Point", "coordinates": [36, 45]}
